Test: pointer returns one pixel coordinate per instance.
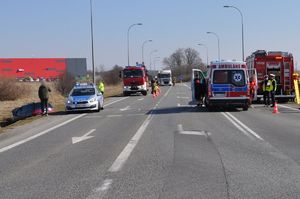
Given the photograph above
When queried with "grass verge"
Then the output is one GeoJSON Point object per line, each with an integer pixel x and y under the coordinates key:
{"type": "Point", "coordinates": [55, 98]}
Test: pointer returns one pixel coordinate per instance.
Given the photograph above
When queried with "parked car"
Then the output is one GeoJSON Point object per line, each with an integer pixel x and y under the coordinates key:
{"type": "Point", "coordinates": [84, 97]}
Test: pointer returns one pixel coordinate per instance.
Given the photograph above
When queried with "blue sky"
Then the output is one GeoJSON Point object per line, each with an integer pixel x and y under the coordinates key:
{"type": "Point", "coordinates": [61, 28]}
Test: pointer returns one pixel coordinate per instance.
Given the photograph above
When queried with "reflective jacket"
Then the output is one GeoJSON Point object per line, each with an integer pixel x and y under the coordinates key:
{"type": "Point", "coordinates": [264, 86]}
{"type": "Point", "coordinates": [272, 85]}
{"type": "Point", "coordinates": [101, 87]}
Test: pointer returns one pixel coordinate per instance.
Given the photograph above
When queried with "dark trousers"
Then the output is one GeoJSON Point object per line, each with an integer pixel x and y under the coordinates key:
{"type": "Point", "coordinates": [273, 97]}
{"type": "Point", "coordinates": [266, 97]}
{"type": "Point", "coordinates": [44, 106]}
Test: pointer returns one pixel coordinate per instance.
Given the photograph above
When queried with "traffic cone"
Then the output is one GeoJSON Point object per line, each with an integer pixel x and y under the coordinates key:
{"type": "Point", "coordinates": [275, 110]}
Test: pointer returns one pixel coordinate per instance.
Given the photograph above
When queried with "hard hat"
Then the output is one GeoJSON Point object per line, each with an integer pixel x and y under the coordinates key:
{"type": "Point", "coordinates": [272, 75]}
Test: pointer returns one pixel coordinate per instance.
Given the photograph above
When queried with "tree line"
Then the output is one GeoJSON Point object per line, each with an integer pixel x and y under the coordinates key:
{"type": "Point", "coordinates": [182, 61]}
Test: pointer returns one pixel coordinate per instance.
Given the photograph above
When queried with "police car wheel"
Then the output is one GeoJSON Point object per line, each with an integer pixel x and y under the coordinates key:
{"type": "Point", "coordinates": [99, 108]}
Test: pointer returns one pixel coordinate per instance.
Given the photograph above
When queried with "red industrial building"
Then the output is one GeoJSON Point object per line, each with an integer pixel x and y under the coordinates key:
{"type": "Point", "coordinates": [49, 68]}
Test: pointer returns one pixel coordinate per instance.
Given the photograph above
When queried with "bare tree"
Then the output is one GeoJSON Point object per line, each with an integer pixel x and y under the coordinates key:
{"type": "Point", "coordinates": [111, 77]}
{"type": "Point", "coordinates": [175, 60]}
{"type": "Point", "coordinates": [191, 57]}
{"type": "Point", "coordinates": [65, 83]}
{"type": "Point", "coordinates": [182, 61]}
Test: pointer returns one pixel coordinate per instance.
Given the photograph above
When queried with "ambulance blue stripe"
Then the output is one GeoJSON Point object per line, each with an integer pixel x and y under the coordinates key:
{"type": "Point", "coordinates": [227, 88]}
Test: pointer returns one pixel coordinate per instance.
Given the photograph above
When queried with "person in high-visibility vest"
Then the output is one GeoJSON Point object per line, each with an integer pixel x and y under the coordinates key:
{"type": "Point", "coordinates": [271, 87]}
{"type": "Point", "coordinates": [101, 87]}
{"type": "Point", "coordinates": [265, 92]}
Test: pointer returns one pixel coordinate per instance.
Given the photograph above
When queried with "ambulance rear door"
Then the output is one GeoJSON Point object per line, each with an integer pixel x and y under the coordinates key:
{"type": "Point", "coordinates": [201, 77]}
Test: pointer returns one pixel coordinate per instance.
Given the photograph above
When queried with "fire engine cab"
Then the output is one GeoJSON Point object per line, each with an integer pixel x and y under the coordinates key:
{"type": "Point", "coordinates": [228, 85]}
{"type": "Point", "coordinates": [135, 79]}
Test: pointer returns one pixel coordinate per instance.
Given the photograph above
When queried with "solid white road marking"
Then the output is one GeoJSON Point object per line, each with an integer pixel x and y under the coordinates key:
{"type": "Point", "coordinates": [39, 134]}
{"type": "Point", "coordinates": [125, 109]}
{"type": "Point", "coordinates": [294, 109]}
{"type": "Point", "coordinates": [50, 129]}
{"type": "Point", "coordinates": [241, 125]}
{"type": "Point", "coordinates": [84, 137]}
{"type": "Point", "coordinates": [178, 97]}
{"type": "Point", "coordinates": [245, 127]}
{"type": "Point", "coordinates": [140, 99]}
{"type": "Point", "coordinates": [237, 126]}
{"type": "Point", "coordinates": [102, 190]}
{"type": "Point", "coordinates": [125, 154]}
{"type": "Point", "coordinates": [110, 103]}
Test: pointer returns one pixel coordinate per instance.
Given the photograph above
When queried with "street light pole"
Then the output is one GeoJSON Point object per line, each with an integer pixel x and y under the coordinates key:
{"type": "Point", "coordinates": [136, 24]}
{"type": "Point", "coordinates": [206, 53]}
{"type": "Point", "coordinates": [92, 40]}
{"type": "Point", "coordinates": [242, 20]}
{"type": "Point", "coordinates": [218, 43]}
{"type": "Point", "coordinates": [143, 49]}
{"type": "Point", "coordinates": [153, 51]}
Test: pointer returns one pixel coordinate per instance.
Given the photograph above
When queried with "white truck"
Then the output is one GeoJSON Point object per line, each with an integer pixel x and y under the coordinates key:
{"type": "Point", "coordinates": [164, 78]}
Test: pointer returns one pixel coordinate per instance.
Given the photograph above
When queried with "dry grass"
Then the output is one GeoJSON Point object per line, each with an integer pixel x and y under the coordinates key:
{"type": "Point", "coordinates": [55, 98]}
{"type": "Point", "coordinates": [111, 91]}
{"type": "Point", "coordinates": [30, 95]}
{"type": "Point", "coordinates": [10, 89]}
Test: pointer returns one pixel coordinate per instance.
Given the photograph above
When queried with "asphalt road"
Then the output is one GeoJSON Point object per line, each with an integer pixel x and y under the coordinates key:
{"type": "Point", "coordinates": [140, 147]}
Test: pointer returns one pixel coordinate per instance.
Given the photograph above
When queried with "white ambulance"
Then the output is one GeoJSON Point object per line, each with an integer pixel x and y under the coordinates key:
{"type": "Point", "coordinates": [228, 85]}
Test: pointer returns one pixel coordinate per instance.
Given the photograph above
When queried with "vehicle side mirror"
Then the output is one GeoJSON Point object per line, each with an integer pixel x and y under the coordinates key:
{"type": "Point", "coordinates": [120, 74]}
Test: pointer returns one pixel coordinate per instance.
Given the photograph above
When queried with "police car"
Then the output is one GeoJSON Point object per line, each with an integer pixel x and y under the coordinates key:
{"type": "Point", "coordinates": [84, 97]}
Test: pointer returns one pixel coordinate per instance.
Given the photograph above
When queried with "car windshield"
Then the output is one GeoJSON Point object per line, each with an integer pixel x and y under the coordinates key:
{"type": "Point", "coordinates": [163, 75]}
{"type": "Point", "coordinates": [235, 77]}
{"type": "Point", "coordinates": [133, 73]}
{"type": "Point", "coordinates": [83, 91]}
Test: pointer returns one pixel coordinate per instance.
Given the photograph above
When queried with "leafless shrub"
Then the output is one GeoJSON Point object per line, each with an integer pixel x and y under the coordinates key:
{"type": "Point", "coordinates": [111, 77]}
{"type": "Point", "coordinates": [65, 83]}
{"type": "Point", "coordinates": [10, 90]}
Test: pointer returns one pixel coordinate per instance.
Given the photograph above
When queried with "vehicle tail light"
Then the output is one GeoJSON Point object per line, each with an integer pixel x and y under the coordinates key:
{"type": "Point", "coordinates": [209, 92]}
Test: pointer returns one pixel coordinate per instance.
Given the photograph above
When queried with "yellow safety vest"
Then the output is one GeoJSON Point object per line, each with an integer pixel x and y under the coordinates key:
{"type": "Point", "coordinates": [101, 87]}
{"type": "Point", "coordinates": [275, 88]}
{"type": "Point", "coordinates": [270, 86]}
{"type": "Point", "coordinates": [264, 86]}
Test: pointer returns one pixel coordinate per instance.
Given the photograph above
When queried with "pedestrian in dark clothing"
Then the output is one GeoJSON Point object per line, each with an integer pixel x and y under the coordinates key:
{"type": "Point", "coordinates": [273, 88]}
{"type": "Point", "coordinates": [265, 91]}
{"type": "Point", "coordinates": [199, 88]}
{"type": "Point", "coordinates": [44, 96]}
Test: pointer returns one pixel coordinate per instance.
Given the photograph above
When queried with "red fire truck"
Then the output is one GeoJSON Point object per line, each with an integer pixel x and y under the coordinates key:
{"type": "Point", "coordinates": [135, 79]}
{"type": "Point", "coordinates": [279, 63]}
